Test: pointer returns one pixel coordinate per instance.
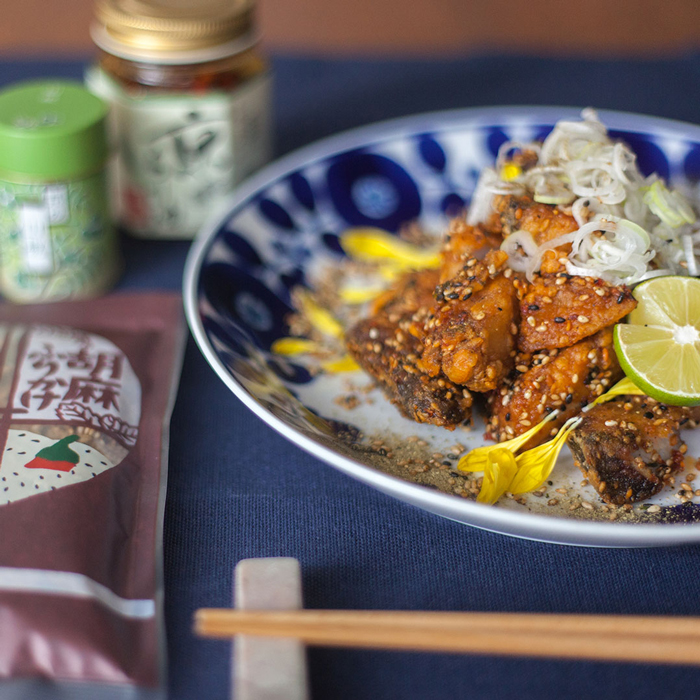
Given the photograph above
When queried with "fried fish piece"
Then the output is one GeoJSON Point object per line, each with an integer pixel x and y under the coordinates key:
{"type": "Point", "coordinates": [628, 448]}
{"type": "Point", "coordinates": [463, 242]}
{"type": "Point", "coordinates": [389, 345]}
{"type": "Point", "coordinates": [413, 292]}
{"type": "Point", "coordinates": [470, 335]}
{"type": "Point", "coordinates": [543, 221]}
{"type": "Point", "coordinates": [559, 310]}
{"type": "Point", "coordinates": [563, 379]}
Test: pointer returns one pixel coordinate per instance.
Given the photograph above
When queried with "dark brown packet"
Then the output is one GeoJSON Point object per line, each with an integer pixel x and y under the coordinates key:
{"type": "Point", "coordinates": [81, 564]}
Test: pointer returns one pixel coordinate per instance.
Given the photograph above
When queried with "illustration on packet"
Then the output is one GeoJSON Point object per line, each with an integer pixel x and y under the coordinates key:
{"type": "Point", "coordinates": [70, 405]}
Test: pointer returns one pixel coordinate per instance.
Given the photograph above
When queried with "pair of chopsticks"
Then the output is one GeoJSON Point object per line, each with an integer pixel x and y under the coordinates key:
{"type": "Point", "coordinates": [642, 639]}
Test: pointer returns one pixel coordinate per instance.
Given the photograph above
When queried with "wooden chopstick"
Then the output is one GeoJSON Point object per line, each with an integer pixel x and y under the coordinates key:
{"type": "Point", "coordinates": [640, 639]}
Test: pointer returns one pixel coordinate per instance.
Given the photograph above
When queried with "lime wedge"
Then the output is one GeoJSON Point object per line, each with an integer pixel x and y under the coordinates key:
{"type": "Point", "coordinates": [659, 346]}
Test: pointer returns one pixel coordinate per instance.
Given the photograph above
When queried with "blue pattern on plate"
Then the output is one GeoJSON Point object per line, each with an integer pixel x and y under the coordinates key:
{"type": "Point", "coordinates": [369, 189]}
{"type": "Point", "coordinates": [432, 153]}
{"type": "Point", "coordinates": [452, 204]}
{"type": "Point", "coordinates": [691, 164]}
{"type": "Point", "coordinates": [276, 214]}
{"type": "Point", "coordinates": [495, 139]}
{"type": "Point", "coordinates": [302, 191]}
{"type": "Point", "coordinates": [245, 302]}
{"type": "Point", "coordinates": [241, 250]}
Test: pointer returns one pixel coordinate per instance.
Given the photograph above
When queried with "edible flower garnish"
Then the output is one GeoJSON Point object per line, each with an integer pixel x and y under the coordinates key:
{"type": "Point", "coordinates": [375, 245]}
{"type": "Point", "coordinates": [352, 293]}
{"type": "Point", "coordinates": [321, 319]}
{"type": "Point", "coordinates": [343, 364]}
{"type": "Point", "coordinates": [391, 255]}
{"type": "Point", "coordinates": [475, 461]}
{"type": "Point", "coordinates": [325, 323]}
{"type": "Point", "coordinates": [510, 171]}
{"type": "Point", "coordinates": [520, 474]}
{"type": "Point", "coordinates": [293, 346]}
{"type": "Point", "coordinates": [500, 469]}
{"type": "Point", "coordinates": [532, 467]}
{"type": "Point", "coordinates": [305, 346]}
{"type": "Point", "coordinates": [360, 295]}
{"type": "Point", "coordinates": [535, 465]}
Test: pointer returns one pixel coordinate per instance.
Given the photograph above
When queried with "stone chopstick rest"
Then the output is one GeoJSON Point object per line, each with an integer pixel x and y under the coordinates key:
{"type": "Point", "coordinates": [265, 668]}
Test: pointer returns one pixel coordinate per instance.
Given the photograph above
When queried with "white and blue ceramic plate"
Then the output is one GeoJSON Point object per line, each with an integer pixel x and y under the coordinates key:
{"type": "Point", "coordinates": [281, 229]}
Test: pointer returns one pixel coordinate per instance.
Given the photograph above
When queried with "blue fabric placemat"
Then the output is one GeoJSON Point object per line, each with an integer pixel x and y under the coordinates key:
{"type": "Point", "coordinates": [238, 490]}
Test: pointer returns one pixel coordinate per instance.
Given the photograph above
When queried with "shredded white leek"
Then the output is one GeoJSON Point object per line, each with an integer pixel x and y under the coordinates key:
{"type": "Point", "coordinates": [631, 228]}
{"type": "Point", "coordinates": [521, 249]}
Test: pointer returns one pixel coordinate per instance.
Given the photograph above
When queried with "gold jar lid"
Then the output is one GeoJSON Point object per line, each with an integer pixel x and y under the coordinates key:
{"type": "Point", "coordinates": [173, 31]}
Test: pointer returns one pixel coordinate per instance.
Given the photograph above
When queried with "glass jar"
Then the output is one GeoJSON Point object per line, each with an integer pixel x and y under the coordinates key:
{"type": "Point", "coordinates": [56, 237]}
{"type": "Point", "coordinates": [190, 117]}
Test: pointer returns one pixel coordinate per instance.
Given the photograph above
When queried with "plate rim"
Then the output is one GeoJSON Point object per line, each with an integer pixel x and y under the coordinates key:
{"type": "Point", "coordinates": [529, 526]}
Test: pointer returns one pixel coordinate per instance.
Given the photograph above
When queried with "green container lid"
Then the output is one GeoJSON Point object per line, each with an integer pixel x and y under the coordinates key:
{"type": "Point", "coordinates": [51, 130]}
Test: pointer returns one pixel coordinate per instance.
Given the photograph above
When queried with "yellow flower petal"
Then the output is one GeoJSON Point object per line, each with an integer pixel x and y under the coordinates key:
{"type": "Point", "coordinates": [475, 461]}
{"type": "Point", "coordinates": [498, 475]}
{"type": "Point", "coordinates": [360, 295]}
{"type": "Point", "coordinates": [321, 319]}
{"type": "Point", "coordinates": [344, 364]}
{"type": "Point", "coordinates": [535, 465]}
{"type": "Point", "coordinates": [375, 245]}
{"type": "Point", "coordinates": [293, 346]}
{"type": "Point", "coordinates": [510, 171]}
{"type": "Point", "coordinates": [390, 272]}
{"type": "Point", "coordinates": [624, 386]}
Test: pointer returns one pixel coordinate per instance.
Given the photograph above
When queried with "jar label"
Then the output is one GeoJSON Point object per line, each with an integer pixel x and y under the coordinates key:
{"type": "Point", "coordinates": [179, 156]}
{"type": "Point", "coordinates": [37, 255]}
{"type": "Point", "coordinates": [56, 240]}
{"type": "Point", "coordinates": [57, 203]}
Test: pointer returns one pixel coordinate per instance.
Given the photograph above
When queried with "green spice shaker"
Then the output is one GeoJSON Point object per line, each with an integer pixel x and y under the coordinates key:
{"type": "Point", "coordinates": [56, 237]}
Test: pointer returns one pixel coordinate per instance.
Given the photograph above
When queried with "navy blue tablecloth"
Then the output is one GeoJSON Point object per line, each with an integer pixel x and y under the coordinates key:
{"type": "Point", "coordinates": [238, 490]}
